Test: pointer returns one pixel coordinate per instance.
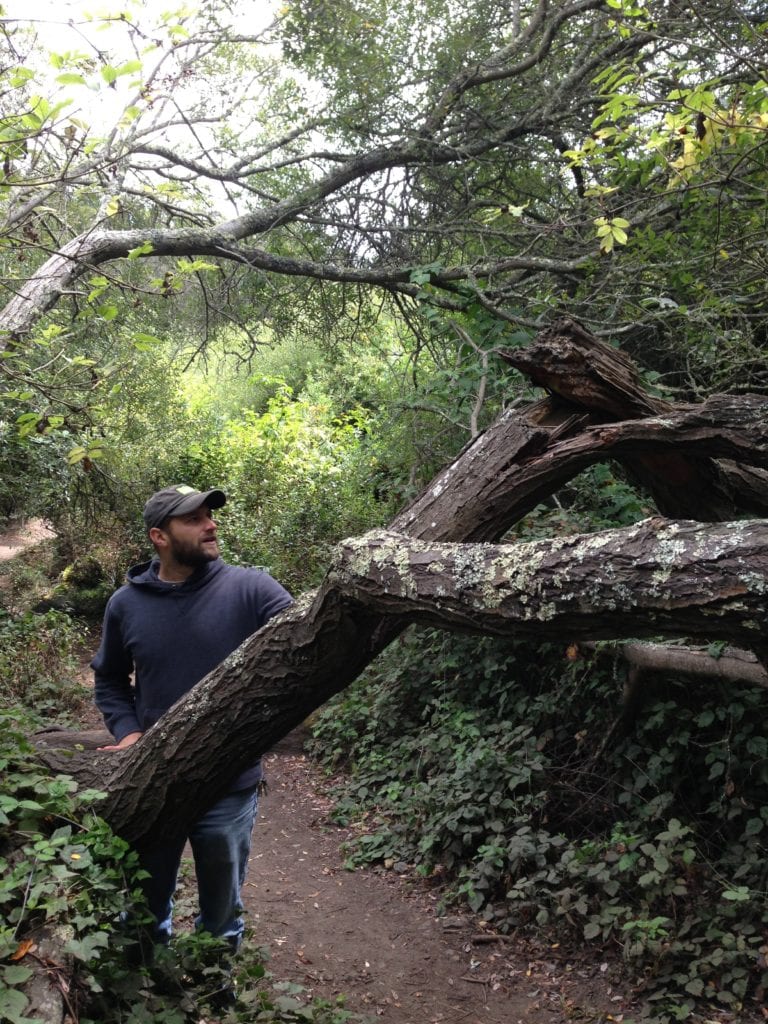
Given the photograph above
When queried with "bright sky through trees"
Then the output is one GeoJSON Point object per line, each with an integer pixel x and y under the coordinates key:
{"type": "Point", "coordinates": [82, 27]}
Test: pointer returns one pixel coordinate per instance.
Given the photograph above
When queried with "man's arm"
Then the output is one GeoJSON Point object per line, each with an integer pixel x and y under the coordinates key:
{"type": "Point", "coordinates": [113, 691]}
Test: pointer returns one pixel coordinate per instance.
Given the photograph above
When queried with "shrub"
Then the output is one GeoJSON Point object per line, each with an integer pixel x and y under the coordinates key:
{"type": "Point", "coordinates": [299, 479]}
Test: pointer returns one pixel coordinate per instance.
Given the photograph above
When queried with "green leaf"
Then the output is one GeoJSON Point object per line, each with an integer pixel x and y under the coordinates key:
{"type": "Point", "coordinates": [145, 342]}
{"type": "Point", "coordinates": [15, 974]}
{"type": "Point", "coordinates": [27, 422]}
{"type": "Point", "coordinates": [89, 947]}
{"type": "Point", "coordinates": [70, 78]}
{"type": "Point", "coordinates": [190, 266]}
{"type": "Point", "coordinates": [12, 1005]}
{"type": "Point", "coordinates": [75, 455]}
{"type": "Point", "coordinates": [129, 67]}
{"type": "Point", "coordinates": [20, 77]}
{"type": "Point", "coordinates": [738, 894]}
{"type": "Point", "coordinates": [140, 250]}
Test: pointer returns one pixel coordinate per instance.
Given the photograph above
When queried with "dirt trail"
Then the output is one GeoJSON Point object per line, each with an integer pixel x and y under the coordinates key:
{"type": "Point", "coordinates": [21, 535]}
{"type": "Point", "coordinates": [374, 936]}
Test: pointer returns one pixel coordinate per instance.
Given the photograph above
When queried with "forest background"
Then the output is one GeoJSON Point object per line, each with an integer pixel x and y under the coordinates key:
{"type": "Point", "coordinates": [284, 259]}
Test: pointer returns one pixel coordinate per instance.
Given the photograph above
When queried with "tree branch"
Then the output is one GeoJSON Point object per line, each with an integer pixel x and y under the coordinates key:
{"type": "Point", "coordinates": [656, 578]}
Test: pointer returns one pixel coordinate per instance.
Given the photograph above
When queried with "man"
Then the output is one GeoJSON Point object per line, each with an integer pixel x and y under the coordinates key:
{"type": "Point", "coordinates": [176, 618]}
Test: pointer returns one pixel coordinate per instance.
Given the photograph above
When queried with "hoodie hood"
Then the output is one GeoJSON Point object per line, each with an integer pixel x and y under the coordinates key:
{"type": "Point", "coordinates": [145, 575]}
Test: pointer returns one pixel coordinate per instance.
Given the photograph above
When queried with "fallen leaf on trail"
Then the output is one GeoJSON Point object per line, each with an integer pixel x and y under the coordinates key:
{"type": "Point", "coordinates": [27, 946]}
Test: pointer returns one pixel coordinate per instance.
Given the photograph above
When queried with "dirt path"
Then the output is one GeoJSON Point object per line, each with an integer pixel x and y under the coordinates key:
{"type": "Point", "coordinates": [22, 535]}
{"type": "Point", "coordinates": [374, 937]}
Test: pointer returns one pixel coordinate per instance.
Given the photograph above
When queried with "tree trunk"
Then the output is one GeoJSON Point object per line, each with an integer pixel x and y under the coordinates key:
{"type": "Point", "coordinates": [660, 578]}
{"type": "Point", "coordinates": [583, 371]}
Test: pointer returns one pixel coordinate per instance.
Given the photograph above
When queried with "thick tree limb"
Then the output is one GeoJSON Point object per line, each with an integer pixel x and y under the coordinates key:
{"type": "Point", "coordinates": [654, 579]}
{"type": "Point", "coordinates": [439, 137]}
{"type": "Point", "coordinates": [584, 371]}
{"type": "Point", "coordinates": [731, 665]}
{"type": "Point", "coordinates": [482, 503]}
{"type": "Point", "coordinates": [657, 578]}
{"type": "Point", "coordinates": [84, 254]}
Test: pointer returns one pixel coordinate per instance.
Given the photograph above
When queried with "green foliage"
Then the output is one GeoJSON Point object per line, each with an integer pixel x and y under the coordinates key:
{"type": "Point", "coordinates": [517, 778]}
{"type": "Point", "coordinates": [38, 664]}
{"type": "Point", "coordinates": [673, 132]}
{"type": "Point", "coordinates": [64, 870]}
{"type": "Point", "coordinates": [299, 478]}
{"type": "Point", "coordinates": [61, 866]}
{"type": "Point", "coordinates": [32, 472]}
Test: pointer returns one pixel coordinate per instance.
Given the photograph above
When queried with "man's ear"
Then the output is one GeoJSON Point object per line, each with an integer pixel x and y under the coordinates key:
{"type": "Point", "coordinates": [158, 537]}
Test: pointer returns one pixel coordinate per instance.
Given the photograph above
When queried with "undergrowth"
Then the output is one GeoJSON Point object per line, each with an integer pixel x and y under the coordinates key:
{"type": "Point", "coordinates": [66, 879]}
{"type": "Point", "coordinates": [548, 800]}
{"type": "Point", "coordinates": [39, 663]}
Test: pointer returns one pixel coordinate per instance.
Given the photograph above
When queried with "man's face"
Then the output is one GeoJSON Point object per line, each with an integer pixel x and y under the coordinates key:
{"type": "Point", "coordinates": [192, 538]}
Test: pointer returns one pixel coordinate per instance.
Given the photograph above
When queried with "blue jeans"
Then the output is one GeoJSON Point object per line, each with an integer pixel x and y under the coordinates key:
{"type": "Point", "coordinates": [221, 842]}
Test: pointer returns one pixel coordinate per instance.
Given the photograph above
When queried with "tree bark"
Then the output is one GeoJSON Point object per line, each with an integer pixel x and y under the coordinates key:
{"type": "Point", "coordinates": [731, 665]}
{"type": "Point", "coordinates": [585, 372]}
{"type": "Point", "coordinates": [658, 578]}
{"type": "Point", "coordinates": [655, 579]}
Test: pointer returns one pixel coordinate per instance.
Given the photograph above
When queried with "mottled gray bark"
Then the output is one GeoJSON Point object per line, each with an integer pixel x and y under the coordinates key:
{"type": "Point", "coordinates": [656, 579]}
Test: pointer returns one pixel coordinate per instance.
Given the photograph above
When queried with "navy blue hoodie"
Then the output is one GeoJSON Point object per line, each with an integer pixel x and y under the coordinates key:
{"type": "Point", "coordinates": [170, 635]}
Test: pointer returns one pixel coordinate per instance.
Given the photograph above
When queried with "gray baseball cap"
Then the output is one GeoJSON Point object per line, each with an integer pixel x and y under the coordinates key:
{"type": "Point", "coordinates": [177, 500]}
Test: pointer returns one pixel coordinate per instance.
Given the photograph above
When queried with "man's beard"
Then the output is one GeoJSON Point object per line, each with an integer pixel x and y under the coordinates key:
{"type": "Point", "coordinates": [192, 555]}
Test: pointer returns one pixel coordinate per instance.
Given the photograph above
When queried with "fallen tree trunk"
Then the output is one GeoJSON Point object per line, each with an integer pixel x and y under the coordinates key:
{"type": "Point", "coordinates": [541, 462]}
{"type": "Point", "coordinates": [585, 373]}
{"type": "Point", "coordinates": [657, 578]}
{"type": "Point", "coordinates": [315, 649]}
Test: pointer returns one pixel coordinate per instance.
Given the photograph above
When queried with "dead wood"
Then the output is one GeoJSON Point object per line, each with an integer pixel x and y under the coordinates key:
{"type": "Point", "coordinates": [583, 372]}
{"type": "Point", "coordinates": [569, 361]}
{"type": "Point", "coordinates": [657, 578]}
{"type": "Point", "coordinates": [668, 579]}
{"type": "Point", "coordinates": [730, 664]}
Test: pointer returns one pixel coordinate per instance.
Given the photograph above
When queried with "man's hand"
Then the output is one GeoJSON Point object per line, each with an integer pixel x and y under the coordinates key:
{"type": "Point", "coordinates": [126, 741]}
